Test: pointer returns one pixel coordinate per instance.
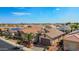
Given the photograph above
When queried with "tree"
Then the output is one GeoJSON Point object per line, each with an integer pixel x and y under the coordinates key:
{"type": "Point", "coordinates": [29, 40]}
{"type": "Point", "coordinates": [68, 23]}
{"type": "Point", "coordinates": [0, 32]}
{"type": "Point", "coordinates": [30, 37]}
{"type": "Point", "coordinates": [61, 45]}
{"type": "Point", "coordinates": [74, 26]}
{"type": "Point", "coordinates": [37, 38]}
{"type": "Point", "coordinates": [26, 37]}
{"type": "Point", "coordinates": [7, 34]}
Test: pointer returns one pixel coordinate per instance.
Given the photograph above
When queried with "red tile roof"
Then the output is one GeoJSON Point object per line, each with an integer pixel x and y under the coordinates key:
{"type": "Point", "coordinates": [54, 33]}
{"type": "Point", "coordinates": [72, 37]}
{"type": "Point", "coordinates": [32, 29]}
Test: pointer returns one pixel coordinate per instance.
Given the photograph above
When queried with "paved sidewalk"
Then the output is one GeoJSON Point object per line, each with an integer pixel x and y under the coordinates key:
{"type": "Point", "coordinates": [37, 48]}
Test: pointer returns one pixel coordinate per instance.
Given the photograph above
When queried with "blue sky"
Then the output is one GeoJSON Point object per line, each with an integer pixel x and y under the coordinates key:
{"type": "Point", "coordinates": [39, 14]}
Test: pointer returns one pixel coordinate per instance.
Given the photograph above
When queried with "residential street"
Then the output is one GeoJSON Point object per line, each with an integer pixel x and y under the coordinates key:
{"type": "Point", "coordinates": [6, 45]}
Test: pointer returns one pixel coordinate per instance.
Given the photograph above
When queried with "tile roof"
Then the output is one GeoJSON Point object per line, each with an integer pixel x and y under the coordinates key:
{"type": "Point", "coordinates": [72, 37]}
{"type": "Point", "coordinates": [32, 29]}
{"type": "Point", "coordinates": [54, 33]}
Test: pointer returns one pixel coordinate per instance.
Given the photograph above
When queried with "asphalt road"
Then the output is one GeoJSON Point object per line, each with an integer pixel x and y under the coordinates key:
{"type": "Point", "coordinates": [4, 46]}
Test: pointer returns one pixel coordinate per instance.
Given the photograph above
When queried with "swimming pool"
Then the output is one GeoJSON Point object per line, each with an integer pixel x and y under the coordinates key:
{"type": "Point", "coordinates": [16, 29]}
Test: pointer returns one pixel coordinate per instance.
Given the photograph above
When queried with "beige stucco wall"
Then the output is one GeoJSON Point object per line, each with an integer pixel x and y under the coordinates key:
{"type": "Point", "coordinates": [70, 45]}
{"type": "Point", "coordinates": [55, 41]}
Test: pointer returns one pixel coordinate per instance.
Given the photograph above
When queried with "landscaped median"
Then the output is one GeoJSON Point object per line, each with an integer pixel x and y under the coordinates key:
{"type": "Point", "coordinates": [15, 45]}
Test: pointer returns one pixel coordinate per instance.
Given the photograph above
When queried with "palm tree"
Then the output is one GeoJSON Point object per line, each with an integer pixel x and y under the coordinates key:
{"type": "Point", "coordinates": [30, 39]}
{"type": "Point", "coordinates": [27, 39]}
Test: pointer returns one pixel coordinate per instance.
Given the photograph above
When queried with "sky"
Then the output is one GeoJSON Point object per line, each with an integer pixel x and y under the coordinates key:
{"type": "Point", "coordinates": [39, 14]}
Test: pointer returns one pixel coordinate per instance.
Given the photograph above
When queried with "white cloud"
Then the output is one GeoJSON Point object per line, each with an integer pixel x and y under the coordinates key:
{"type": "Point", "coordinates": [21, 13]}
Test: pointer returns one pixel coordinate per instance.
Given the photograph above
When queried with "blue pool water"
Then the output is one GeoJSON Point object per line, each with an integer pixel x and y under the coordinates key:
{"type": "Point", "coordinates": [16, 29]}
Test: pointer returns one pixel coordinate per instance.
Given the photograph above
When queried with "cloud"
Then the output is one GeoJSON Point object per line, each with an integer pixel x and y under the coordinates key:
{"type": "Point", "coordinates": [21, 13]}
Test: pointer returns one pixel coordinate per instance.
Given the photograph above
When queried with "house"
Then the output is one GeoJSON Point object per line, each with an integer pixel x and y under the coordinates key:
{"type": "Point", "coordinates": [2, 29]}
{"type": "Point", "coordinates": [51, 37]}
{"type": "Point", "coordinates": [71, 41]}
{"type": "Point", "coordinates": [32, 28]}
{"type": "Point", "coordinates": [64, 28]}
{"type": "Point", "coordinates": [50, 26]}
